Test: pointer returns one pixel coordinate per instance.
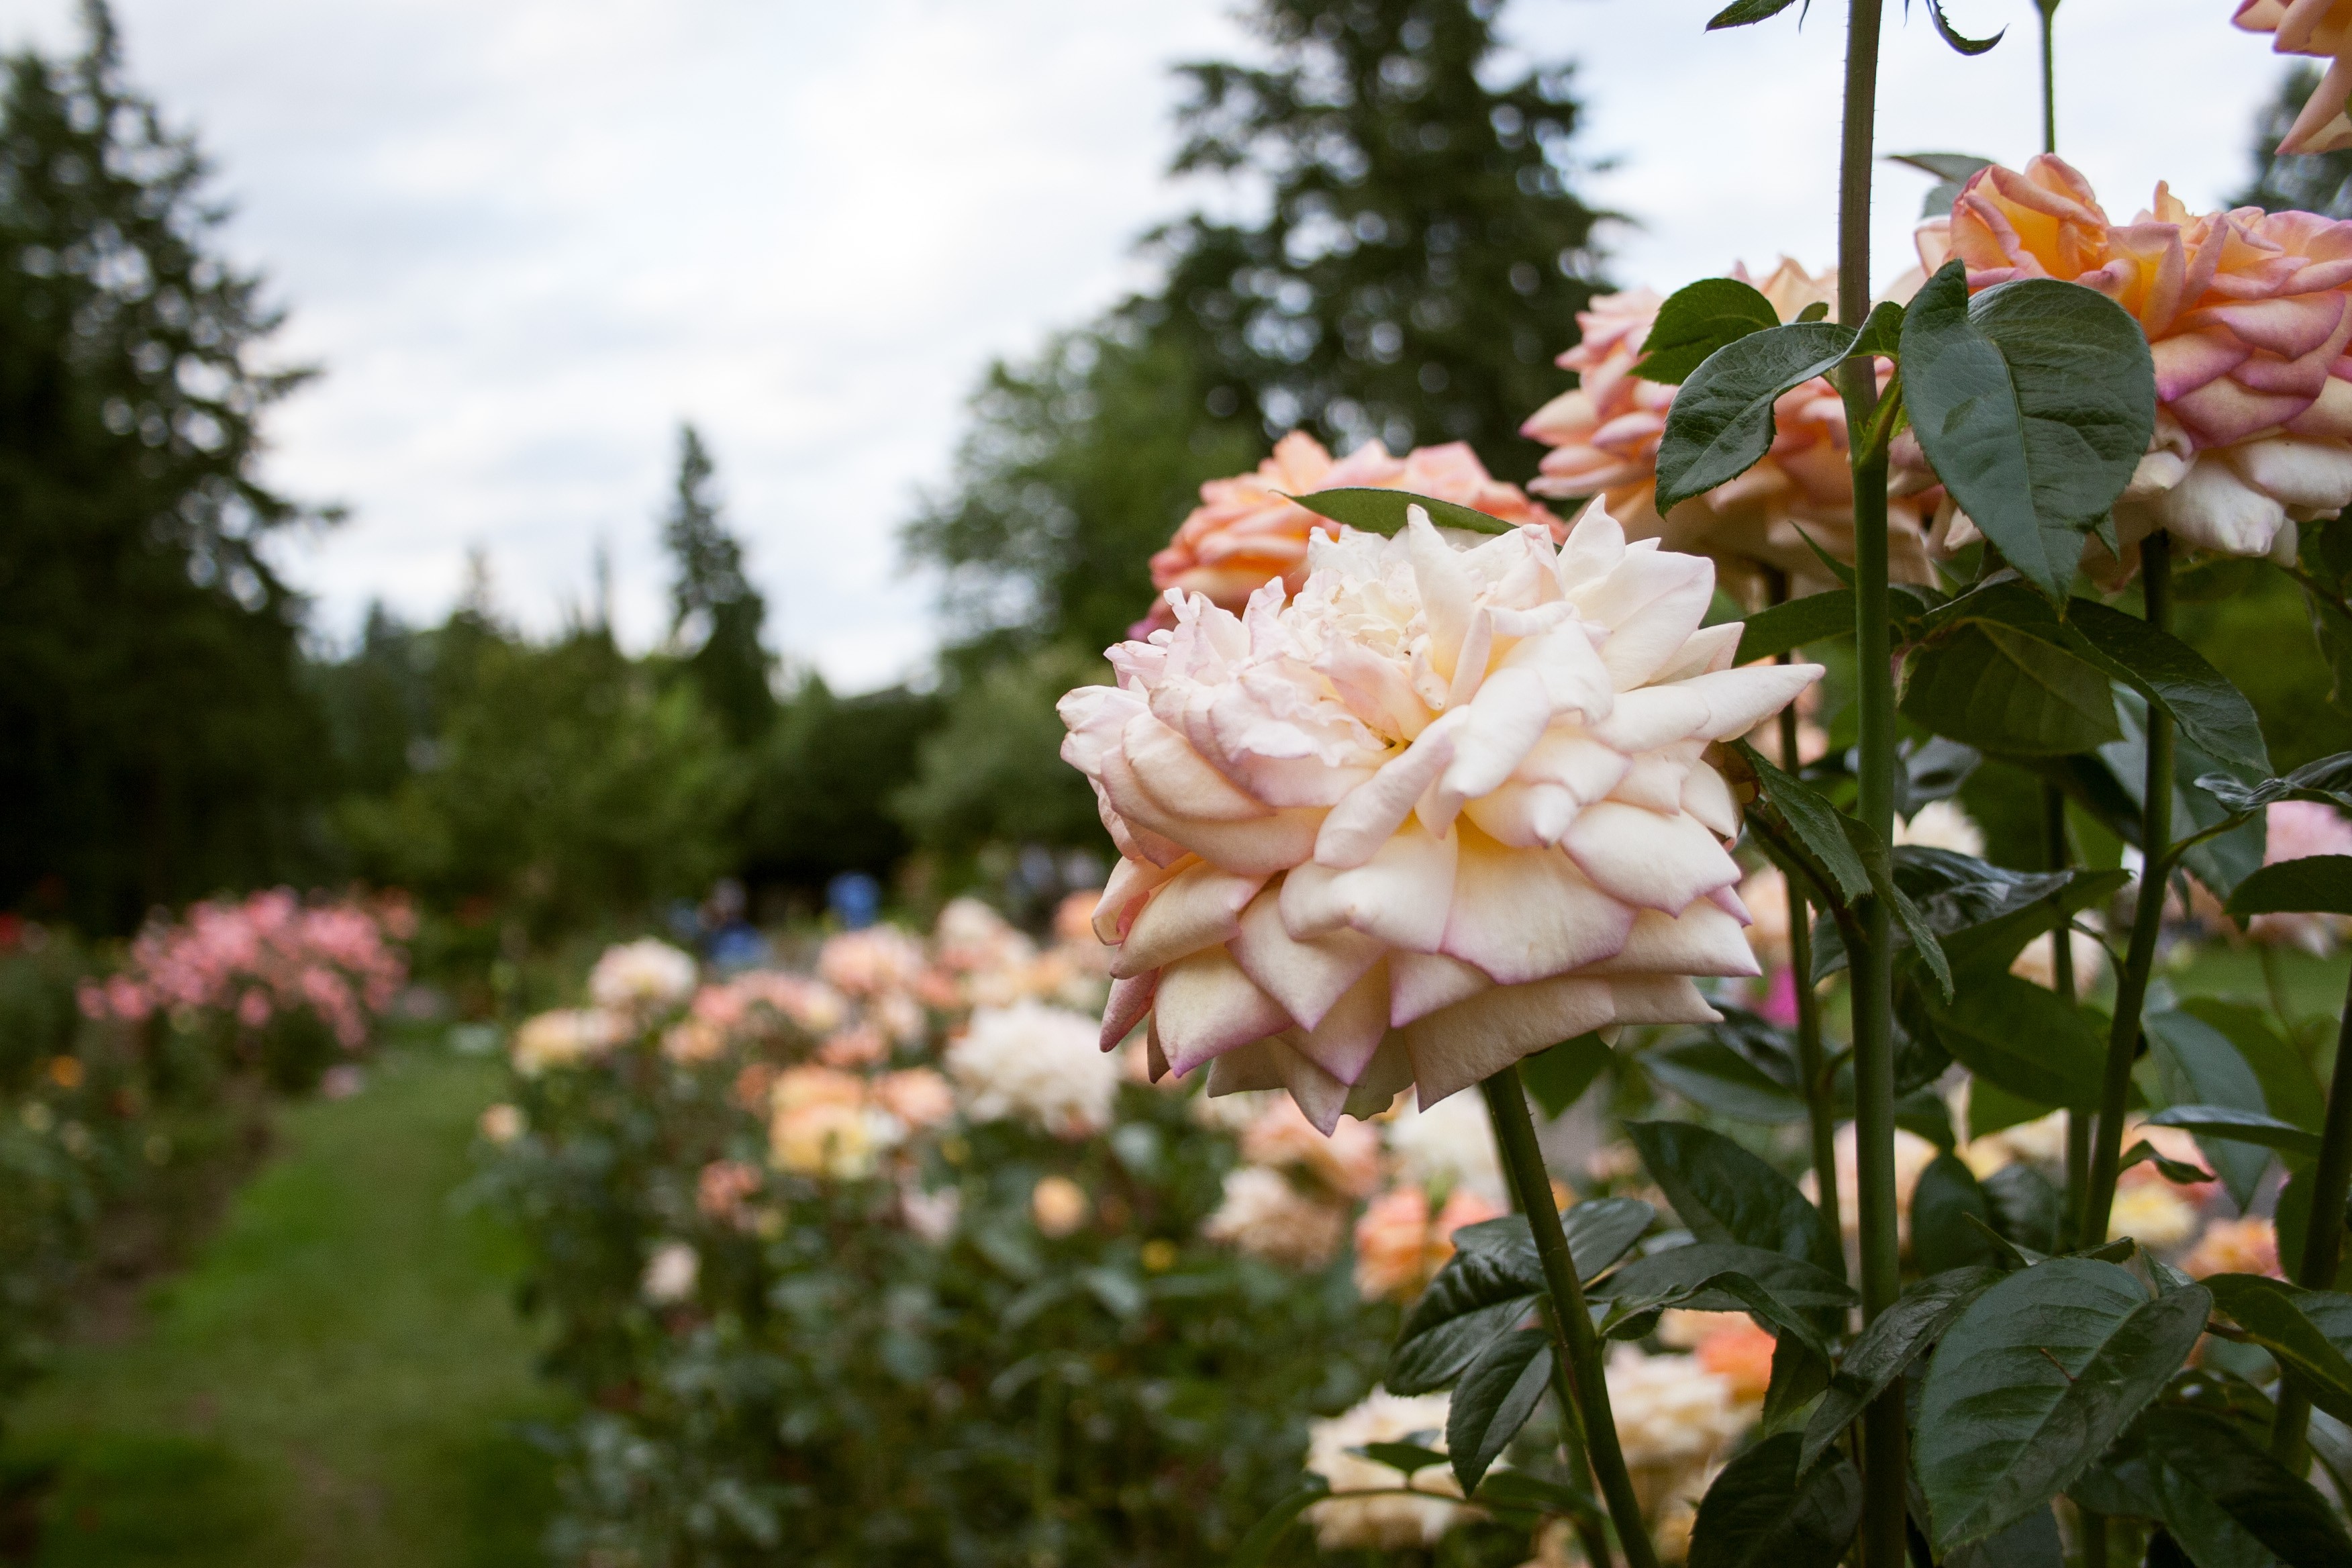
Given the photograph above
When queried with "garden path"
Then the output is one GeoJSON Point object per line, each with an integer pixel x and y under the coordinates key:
{"type": "Point", "coordinates": [340, 1380]}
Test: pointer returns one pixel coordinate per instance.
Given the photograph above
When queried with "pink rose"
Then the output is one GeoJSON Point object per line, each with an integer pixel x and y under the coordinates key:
{"type": "Point", "coordinates": [2246, 315]}
{"type": "Point", "coordinates": [1443, 808]}
{"type": "Point", "coordinates": [1247, 530]}
{"type": "Point", "coordinates": [2322, 27]}
{"type": "Point", "coordinates": [1604, 437]}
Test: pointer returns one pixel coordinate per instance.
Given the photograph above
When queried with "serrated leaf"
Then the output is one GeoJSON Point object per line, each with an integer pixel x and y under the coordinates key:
{"type": "Point", "coordinates": [1741, 13]}
{"type": "Point", "coordinates": [2327, 781]}
{"type": "Point", "coordinates": [2033, 1381]}
{"type": "Point", "coordinates": [1599, 1230]}
{"type": "Point", "coordinates": [1765, 1511]}
{"type": "Point", "coordinates": [2213, 715]}
{"type": "Point", "coordinates": [2031, 1042]}
{"type": "Point", "coordinates": [1721, 422]}
{"type": "Point", "coordinates": [1708, 1072]}
{"type": "Point", "coordinates": [2254, 1127]}
{"type": "Point", "coordinates": [1998, 689]}
{"type": "Point", "coordinates": [1557, 1079]}
{"type": "Point", "coordinates": [2197, 1065]}
{"type": "Point", "coordinates": [1895, 1338]}
{"type": "Point", "coordinates": [1686, 1276]}
{"type": "Point", "coordinates": [1882, 332]}
{"type": "Point", "coordinates": [2176, 1170]}
{"type": "Point", "coordinates": [1783, 628]}
{"type": "Point", "coordinates": [1539, 1494]}
{"type": "Point", "coordinates": [1697, 321]}
{"type": "Point", "coordinates": [1481, 1294]}
{"type": "Point", "coordinates": [1814, 823]}
{"type": "Point", "coordinates": [1723, 1192]}
{"type": "Point", "coordinates": [1387, 512]}
{"type": "Point", "coordinates": [1407, 1458]}
{"type": "Point", "coordinates": [2220, 1495]}
{"type": "Point", "coordinates": [2306, 1331]}
{"type": "Point", "coordinates": [2290, 1092]}
{"type": "Point", "coordinates": [1496, 1395]}
{"type": "Point", "coordinates": [1952, 36]}
{"type": "Point", "coordinates": [2109, 785]}
{"type": "Point", "coordinates": [2315, 884]}
{"type": "Point", "coordinates": [2034, 402]}
{"type": "Point", "coordinates": [1941, 1205]}
{"type": "Point", "coordinates": [2027, 1207]}
{"type": "Point", "coordinates": [1955, 167]}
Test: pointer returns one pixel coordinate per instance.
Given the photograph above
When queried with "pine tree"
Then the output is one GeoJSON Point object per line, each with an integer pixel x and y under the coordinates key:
{"type": "Point", "coordinates": [715, 610]}
{"type": "Point", "coordinates": [1422, 258]}
{"type": "Point", "coordinates": [153, 724]}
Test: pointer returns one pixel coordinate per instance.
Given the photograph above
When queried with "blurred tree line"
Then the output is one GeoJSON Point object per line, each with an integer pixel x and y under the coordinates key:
{"type": "Point", "coordinates": [1412, 257]}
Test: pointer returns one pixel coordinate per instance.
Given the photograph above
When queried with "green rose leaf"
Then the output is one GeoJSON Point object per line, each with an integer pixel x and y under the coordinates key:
{"type": "Point", "coordinates": [2197, 1065]}
{"type": "Point", "coordinates": [2038, 1375]}
{"type": "Point", "coordinates": [1480, 1295]}
{"type": "Point", "coordinates": [1384, 511]}
{"type": "Point", "coordinates": [1895, 1338]}
{"type": "Point", "coordinates": [1693, 1276]}
{"type": "Point", "coordinates": [2315, 884]}
{"type": "Point", "coordinates": [1599, 1231]}
{"type": "Point", "coordinates": [1767, 1510]}
{"type": "Point", "coordinates": [2033, 401]}
{"type": "Point", "coordinates": [1258, 1545]}
{"type": "Point", "coordinates": [2290, 1092]}
{"type": "Point", "coordinates": [1721, 421]}
{"type": "Point", "coordinates": [1951, 171]}
{"type": "Point", "coordinates": [1496, 1395]}
{"type": "Point", "coordinates": [2308, 1332]}
{"type": "Point", "coordinates": [2031, 1042]}
{"type": "Point", "coordinates": [1998, 689]}
{"type": "Point", "coordinates": [1952, 36]}
{"type": "Point", "coordinates": [2328, 780]}
{"type": "Point", "coordinates": [2228, 1501]}
{"type": "Point", "coordinates": [1710, 1073]}
{"type": "Point", "coordinates": [1783, 628]}
{"type": "Point", "coordinates": [1408, 1459]}
{"type": "Point", "coordinates": [1723, 1192]}
{"type": "Point", "coordinates": [1695, 322]}
{"type": "Point", "coordinates": [2240, 1126]}
{"type": "Point", "coordinates": [1557, 1079]}
{"type": "Point", "coordinates": [1741, 13]}
{"type": "Point", "coordinates": [1813, 825]}
{"type": "Point", "coordinates": [1947, 1199]}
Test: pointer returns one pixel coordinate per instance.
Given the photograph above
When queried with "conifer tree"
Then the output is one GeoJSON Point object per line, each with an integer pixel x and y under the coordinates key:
{"type": "Point", "coordinates": [2313, 182]}
{"type": "Point", "coordinates": [153, 723]}
{"type": "Point", "coordinates": [715, 610]}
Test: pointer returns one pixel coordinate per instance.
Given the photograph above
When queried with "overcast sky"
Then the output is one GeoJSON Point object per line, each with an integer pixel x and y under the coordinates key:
{"type": "Point", "coordinates": [525, 238]}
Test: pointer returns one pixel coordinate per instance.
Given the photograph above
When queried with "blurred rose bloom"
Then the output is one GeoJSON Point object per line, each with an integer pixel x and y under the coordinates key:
{"type": "Point", "coordinates": [2321, 27]}
{"type": "Point", "coordinates": [1383, 1523]}
{"type": "Point", "coordinates": [565, 1037]}
{"type": "Point", "coordinates": [1604, 437]}
{"type": "Point", "coordinates": [644, 977]}
{"type": "Point", "coordinates": [1400, 1246]}
{"type": "Point", "coordinates": [670, 1274]}
{"type": "Point", "coordinates": [1940, 825]}
{"type": "Point", "coordinates": [2295, 829]}
{"type": "Point", "coordinates": [1264, 1217]}
{"type": "Point", "coordinates": [724, 1188]}
{"type": "Point", "coordinates": [1348, 1161]}
{"type": "Point", "coordinates": [502, 1123]}
{"type": "Point", "coordinates": [2245, 314]}
{"type": "Point", "coordinates": [822, 1124]}
{"type": "Point", "coordinates": [2248, 1246]}
{"type": "Point", "coordinates": [870, 962]}
{"type": "Point", "coordinates": [1059, 1207]}
{"type": "Point", "coordinates": [1037, 1063]}
{"type": "Point", "coordinates": [917, 1097]}
{"type": "Point", "coordinates": [1449, 1146]}
{"type": "Point", "coordinates": [1675, 1420]}
{"type": "Point", "coordinates": [1247, 531]}
{"type": "Point", "coordinates": [1443, 809]}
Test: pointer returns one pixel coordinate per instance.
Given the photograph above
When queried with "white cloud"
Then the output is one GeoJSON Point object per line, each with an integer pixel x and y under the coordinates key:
{"type": "Point", "coordinates": [525, 238]}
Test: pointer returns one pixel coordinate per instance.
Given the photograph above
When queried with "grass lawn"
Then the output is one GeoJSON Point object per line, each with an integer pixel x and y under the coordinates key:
{"type": "Point", "coordinates": [338, 1380]}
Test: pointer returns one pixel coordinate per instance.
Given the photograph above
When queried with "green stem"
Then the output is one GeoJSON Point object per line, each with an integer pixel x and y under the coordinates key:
{"type": "Point", "coordinates": [1820, 1106]}
{"type": "Point", "coordinates": [2057, 855]}
{"type": "Point", "coordinates": [2147, 918]}
{"type": "Point", "coordinates": [1884, 1493]}
{"type": "Point", "coordinates": [1570, 1324]}
{"type": "Point", "coordinates": [2049, 76]}
{"type": "Point", "coordinates": [2323, 1244]}
{"type": "Point", "coordinates": [2275, 985]}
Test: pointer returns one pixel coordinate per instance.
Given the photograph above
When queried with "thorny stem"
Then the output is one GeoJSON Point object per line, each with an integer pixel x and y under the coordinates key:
{"type": "Point", "coordinates": [1576, 1346]}
{"type": "Point", "coordinates": [2323, 1246]}
{"type": "Point", "coordinates": [2147, 918]}
{"type": "Point", "coordinates": [1884, 1469]}
{"type": "Point", "coordinates": [1821, 1108]}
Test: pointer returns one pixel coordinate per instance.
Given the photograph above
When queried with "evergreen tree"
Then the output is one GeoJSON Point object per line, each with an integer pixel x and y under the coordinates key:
{"type": "Point", "coordinates": [1422, 258]}
{"type": "Point", "coordinates": [2313, 181]}
{"type": "Point", "coordinates": [154, 729]}
{"type": "Point", "coordinates": [714, 609]}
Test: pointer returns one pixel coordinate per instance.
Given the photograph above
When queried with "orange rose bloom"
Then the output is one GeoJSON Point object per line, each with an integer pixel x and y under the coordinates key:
{"type": "Point", "coordinates": [2248, 315]}
{"type": "Point", "coordinates": [1247, 530]}
{"type": "Point", "coordinates": [1604, 437]}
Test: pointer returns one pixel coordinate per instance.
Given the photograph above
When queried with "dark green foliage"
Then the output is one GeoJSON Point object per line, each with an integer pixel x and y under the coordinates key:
{"type": "Point", "coordinates": [715, 613]}
{"type": "Point", "coordinates": [153, 735]}
{"type": "Point", "coordinates": [825, 778]}
{"type": "Point", "coordinates": [1422, 257]}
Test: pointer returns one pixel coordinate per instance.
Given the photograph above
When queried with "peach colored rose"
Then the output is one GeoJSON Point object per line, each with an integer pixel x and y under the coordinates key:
{"type": "Point", "coordinates": [2322, 27]}
{"type": "Point", "coordinates": [2246, 313]}
{"type": "Point", "coordinates": [1265, 1217]}
{"type": "Point", "coordinates": [1348, 1161]}
{"type": "Point", "coordinates": [1059, 1206]}
{"type": "Point", "coordinates": [1604, 437]}
{"type": "Point", "coordinates": [720, 1190]}
{"type": "Point", "coordinates": [1442, 809]}
{"type": "Point", "coordinates": [1740, 1353]}
{"type": "Point", "coordinates": [1400, 1247]}
{"type": "Point", "coordinates": [2248, 1246]}
{"type": "Point", "coordinates": [917, 1097]}
{"type": "Point", "coordinates": [862, 1045]}
{"type": "Point", "coordinates": [1247, 530]}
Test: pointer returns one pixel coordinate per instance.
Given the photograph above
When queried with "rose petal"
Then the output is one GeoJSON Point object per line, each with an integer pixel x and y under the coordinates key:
{"type": "Point", "coordinates": [1702, 940]}
{"type": "Point", "coordinates": [1421, 983]}
{"type": "Point", "coordinates": [1657, 862]}
{"type": "Point", "coordinates": [1526, 915]}
{"type": "Point", "coordinates": [1473, 1040]}
{"type": "Point", "coordinates": [1399, 896]}
{"type": "Point", "coordinates": [1199, 906]}
{"type": "Point", "coordinates": [1306, 976]}
{"type": "Point", "coordinates": [1131, 999]}
{"type": "Point", "coordinates": [1206, 1006]}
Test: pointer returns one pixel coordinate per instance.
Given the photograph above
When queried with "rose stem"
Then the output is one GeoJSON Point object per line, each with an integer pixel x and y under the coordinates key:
{"type": "Point", "coordinates": [1819, 1109]}
{"type": "Point", "coordinates": [2049, 76]}
{"type": "Point", "coordinates": [1570, 1324]}
{"type": "Point", "coordinates": [1884, 1491]}
{"type": "Point", "coordinates": [2059, 856]}
{"type": "Point", "coordinates": [2147, 917]}
{"type": "Point", "coordinates": [1589, 1533]}
{"type": "Point", "coordinates": [2331, 1187]}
